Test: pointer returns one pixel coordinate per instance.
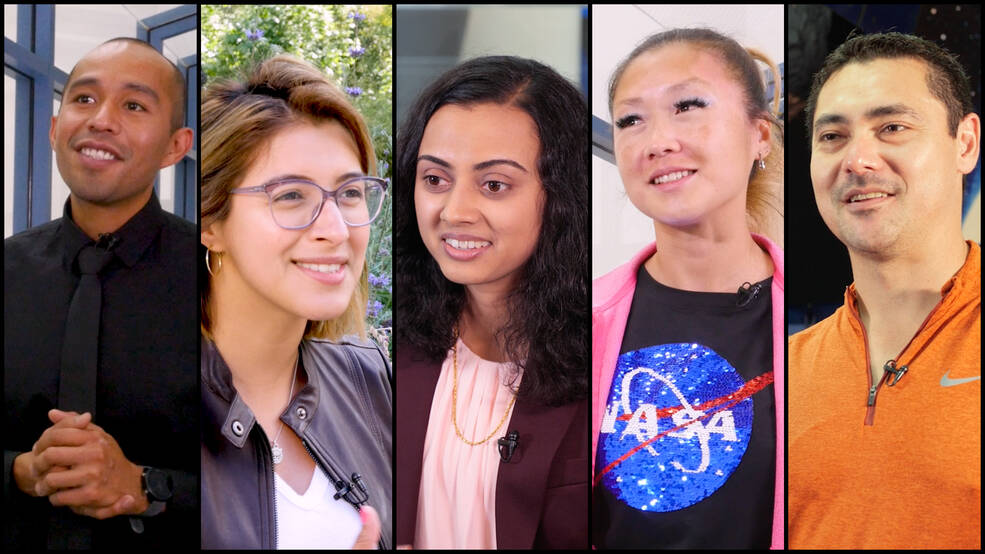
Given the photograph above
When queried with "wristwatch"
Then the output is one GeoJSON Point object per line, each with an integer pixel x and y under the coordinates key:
{"type": "Point", "coordinates": [158, 487]}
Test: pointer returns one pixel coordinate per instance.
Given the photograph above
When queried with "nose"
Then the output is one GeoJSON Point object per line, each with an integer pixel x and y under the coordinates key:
{"type": "Point", "coordinates": [661, 140]}
{"type": "Point", "coordinates": [862, 155]}
{"type": "Point", "coordinates": [329, 224]}
{"type": "Point", "coordinates": [105, 119]}
{"type": "Point", "coordinates": [460, 206]}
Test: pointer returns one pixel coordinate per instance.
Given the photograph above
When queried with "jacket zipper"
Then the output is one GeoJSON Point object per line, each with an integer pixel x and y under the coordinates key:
{"type": "Point", "coordinates": [332, 477]}
{"type": "Point", "coordinates": [870, 410]}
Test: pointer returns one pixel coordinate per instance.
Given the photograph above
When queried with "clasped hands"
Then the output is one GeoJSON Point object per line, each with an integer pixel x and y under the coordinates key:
{"type": "Point", "coordinates": [77, 464]}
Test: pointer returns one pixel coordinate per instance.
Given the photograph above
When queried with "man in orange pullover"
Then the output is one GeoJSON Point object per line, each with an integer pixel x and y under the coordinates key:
{"type": "Point", "coordinates": [885, 395]}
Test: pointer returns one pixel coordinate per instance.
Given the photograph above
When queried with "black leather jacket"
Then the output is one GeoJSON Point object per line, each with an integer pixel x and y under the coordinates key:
{"type": "Point", "coordinates": [343, 417]}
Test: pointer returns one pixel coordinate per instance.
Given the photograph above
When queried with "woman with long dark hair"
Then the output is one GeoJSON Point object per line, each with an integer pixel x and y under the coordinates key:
{"type": "Point", "coordinates": [490, 258]}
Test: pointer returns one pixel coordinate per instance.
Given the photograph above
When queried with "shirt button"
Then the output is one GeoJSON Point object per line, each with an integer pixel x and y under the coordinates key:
{"type": "Point", "coordinates": [302, 413]}
{"type": "Point", "coordinates": [238, 428]}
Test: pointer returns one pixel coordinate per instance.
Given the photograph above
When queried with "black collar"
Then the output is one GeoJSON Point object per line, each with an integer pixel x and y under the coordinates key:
{"type": "Point", "coordinates": [135, 236]}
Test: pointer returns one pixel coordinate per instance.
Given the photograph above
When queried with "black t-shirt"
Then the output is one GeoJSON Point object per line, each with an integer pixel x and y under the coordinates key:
{"type": "Point", "coordinates": [662, 479]}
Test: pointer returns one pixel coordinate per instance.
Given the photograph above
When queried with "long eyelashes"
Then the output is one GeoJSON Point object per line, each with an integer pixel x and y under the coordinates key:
{"type": "Point", "coordinates": [626, 121]}
{"type": "Point", "coordinates": [681, 106]}
{"type": "Point", "coordinates": [688, 103]}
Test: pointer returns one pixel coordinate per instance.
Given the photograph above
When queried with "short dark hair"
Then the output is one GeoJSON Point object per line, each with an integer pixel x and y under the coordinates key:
{"type": "Point", "coordinates": [946, 78]}
{"type": "Point", "coordinates": [547, 331]}
{"type": "Point", "coordinates": [179, 93]}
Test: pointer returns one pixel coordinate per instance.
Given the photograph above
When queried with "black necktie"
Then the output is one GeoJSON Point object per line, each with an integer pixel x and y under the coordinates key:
{"type": "Point", "coordinates": [80, 352]}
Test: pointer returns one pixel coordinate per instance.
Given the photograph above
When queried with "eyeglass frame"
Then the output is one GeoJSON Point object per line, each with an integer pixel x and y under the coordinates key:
{"type": "Point", "coordinates": [326, 194]}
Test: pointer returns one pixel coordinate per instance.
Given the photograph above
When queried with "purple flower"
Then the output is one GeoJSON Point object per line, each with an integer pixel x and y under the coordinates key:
{"type": "Point", "coordinates": [254, 34]}
{"type": "Point", "coordinates": [373, 309]}
{"type": "Point", "coordinates": [357, 51]}
{"type": "Point", "coordinates": [356, 16]}
{"type": "Point", "coordinates": [353, 91]}
{"type": "Point", "coordinates": [381, 282]}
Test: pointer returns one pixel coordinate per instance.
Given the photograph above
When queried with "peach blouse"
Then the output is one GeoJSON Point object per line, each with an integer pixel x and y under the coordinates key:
{"type": "Point", "coordinates": [457, 503]}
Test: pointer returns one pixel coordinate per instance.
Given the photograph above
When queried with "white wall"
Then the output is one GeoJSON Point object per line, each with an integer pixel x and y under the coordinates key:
{"type": "Point", "coordinates": [619, 230]}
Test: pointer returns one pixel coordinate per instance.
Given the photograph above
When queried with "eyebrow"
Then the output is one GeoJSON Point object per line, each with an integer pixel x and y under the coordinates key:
{"type": "Point", "coordinates": [92, 81]}
{"type": "Point", "coordinates": [873, 113]}
{"type": "Point", "coordinates": [670, 90]}
{"type": "Point", "coordinates": [478, 167]}
{"type": "Point", "coordinates": [298, 177]}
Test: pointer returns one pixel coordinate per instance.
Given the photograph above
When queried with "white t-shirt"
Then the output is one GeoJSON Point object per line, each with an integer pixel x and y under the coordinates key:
{"type": "Point", "coordinates": [314, 519]}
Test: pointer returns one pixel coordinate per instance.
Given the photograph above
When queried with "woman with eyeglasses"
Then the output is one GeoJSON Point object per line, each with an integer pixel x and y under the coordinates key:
{"type": "Point", "coordinates": [296, 412]}
{"type": "Point", "coordinates": [491, 251]}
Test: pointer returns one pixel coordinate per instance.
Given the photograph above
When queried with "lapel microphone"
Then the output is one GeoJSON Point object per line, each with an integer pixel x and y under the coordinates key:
{"type": "Point", "coordinates": [107, 241]}
{"type": "Point", "coordinates": [507, 445]}
{"type": "Point", "coordinates": [747, 293]}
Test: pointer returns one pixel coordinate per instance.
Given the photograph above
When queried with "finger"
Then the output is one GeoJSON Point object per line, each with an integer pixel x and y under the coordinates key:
{"type": "Point", "coordinates": [404, 547]}
{"type": "Point", "coordinates": [69, 418]}
{"type": "Point", "coordinates": [84, 496]}
{"type": "Point", "coordinates": [54, 481]}
{"type": "Point", "coordinates": [121, 506]}
{"type": "Point", "coordinates": [64, 436]}
{"type": "Point", "coordinates": [67, 456]}
{"type": "Point", "coordinates": [369, 537]}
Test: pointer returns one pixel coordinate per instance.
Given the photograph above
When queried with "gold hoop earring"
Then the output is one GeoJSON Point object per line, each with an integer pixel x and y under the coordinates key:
{"type": "Point", "coordinates": [208, 266]}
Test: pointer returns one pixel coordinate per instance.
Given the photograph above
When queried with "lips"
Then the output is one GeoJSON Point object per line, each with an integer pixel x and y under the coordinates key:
{"type": "Point", "coordinates": [326, 270]}
{"type": "Point", "coordinates": [863, 195]}
{"type": "Point", "coordinates": [670, 175]}
{"type": "Point", "coordinates": [98, 150]}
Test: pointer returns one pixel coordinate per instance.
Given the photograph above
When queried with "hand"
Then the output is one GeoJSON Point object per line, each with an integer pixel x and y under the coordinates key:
{"type": "Point", "coordinates": [67, 429]}
{"type": "Point", "coordinates": [99, 481]}
{"type": "Point", "coordinates": [369, 537]}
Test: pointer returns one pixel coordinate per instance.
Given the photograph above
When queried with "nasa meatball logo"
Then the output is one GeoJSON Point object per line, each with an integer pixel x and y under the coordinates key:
{"type": "Point", "coordinates": [676, 426]}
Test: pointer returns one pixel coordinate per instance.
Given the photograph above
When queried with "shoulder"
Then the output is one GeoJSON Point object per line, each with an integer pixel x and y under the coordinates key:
{"type": "Point", "coordinates": [362, 355]}
{"type": "Point", "coordinates": [29, 239]}
{"type": "Point", "coordinates": [614, 286]}
{"type": "Point", "coordinates": [179, 228]}
{"type": "Point", "coordinates": [810, 341]}
{"type": "Point", "coordinates": [33, 250]}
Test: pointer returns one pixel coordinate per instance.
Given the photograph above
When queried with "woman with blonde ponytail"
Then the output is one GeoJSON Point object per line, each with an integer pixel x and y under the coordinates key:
{"type": "Point", "coordinates": [687, 337]}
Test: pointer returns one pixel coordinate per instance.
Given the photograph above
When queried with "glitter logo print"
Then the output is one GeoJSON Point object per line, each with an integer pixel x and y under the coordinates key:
{"type": "Point", "coordinates": [676, 426]}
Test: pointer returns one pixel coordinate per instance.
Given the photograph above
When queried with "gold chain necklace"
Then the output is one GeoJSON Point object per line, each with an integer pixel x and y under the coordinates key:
{"type": "Point", "coordinates": [454, 403]}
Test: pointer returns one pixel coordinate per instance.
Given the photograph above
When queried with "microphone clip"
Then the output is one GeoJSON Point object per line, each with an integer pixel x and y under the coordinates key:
{"type": "Point", "coordinates": [747, 293]}
{"type": "Point", "coordinates": [107, 241]}
{"type": "Point", "coordinates": [507, 445]}
{"type": "Point", "coordinates": [897, 372]}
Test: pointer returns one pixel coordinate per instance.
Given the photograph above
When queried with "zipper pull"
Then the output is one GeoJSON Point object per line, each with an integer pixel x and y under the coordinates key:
{"type": "Point", "coordinates": [897, 372]}
{"type": "Point", "coordinates": [872, 395]}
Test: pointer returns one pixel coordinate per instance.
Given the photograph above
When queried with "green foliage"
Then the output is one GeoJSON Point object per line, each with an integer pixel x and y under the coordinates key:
{"type": "Point", "coordinates": [353, 45]}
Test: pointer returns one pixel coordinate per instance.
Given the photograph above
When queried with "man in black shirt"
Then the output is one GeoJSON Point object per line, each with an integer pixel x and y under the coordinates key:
{"type": "Point", "coordinates": [124, 472]}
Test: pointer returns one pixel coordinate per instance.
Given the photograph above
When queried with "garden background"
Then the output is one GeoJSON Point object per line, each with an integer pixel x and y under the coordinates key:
{"type": "Point", "coordinates": [353, 45]}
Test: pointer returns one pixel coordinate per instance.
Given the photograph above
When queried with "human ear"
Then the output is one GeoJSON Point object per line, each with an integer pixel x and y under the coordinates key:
{"type": "Point", "coordinates": [178, 145]}
{"type": "Point", "coordinates": [212, 236]}
{"type": "Point", "coordinates": [969, 138]}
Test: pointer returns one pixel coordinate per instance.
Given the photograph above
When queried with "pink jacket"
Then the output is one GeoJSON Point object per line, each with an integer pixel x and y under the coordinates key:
{"type": "Point", "coordinates": [612, 296]}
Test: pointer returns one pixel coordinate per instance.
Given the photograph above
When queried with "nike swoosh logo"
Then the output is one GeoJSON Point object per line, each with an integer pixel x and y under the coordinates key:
{"type": "Point", "coordinates": [948, 382]}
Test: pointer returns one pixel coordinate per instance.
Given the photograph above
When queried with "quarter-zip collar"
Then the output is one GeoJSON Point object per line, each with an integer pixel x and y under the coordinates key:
{"type": "Point", "coordinates": [967, 277]}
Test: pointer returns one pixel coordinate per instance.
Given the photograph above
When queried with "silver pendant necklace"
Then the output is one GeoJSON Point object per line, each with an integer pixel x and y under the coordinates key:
{"type": "Point", "coordinates": [275, 449]}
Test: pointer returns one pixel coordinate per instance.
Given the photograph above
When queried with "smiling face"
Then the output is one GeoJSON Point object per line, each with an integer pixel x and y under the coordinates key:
{"type": "Point", "coordinates": [883, 164]}
{"type": "Point", "coordinates": [112, 133]}
{"type": "Point", "coordinates": [308, 273]}
{"type": "Point", "coordinates": [477, 192]}
{"type": "Point", "coordinates": [683, 142]}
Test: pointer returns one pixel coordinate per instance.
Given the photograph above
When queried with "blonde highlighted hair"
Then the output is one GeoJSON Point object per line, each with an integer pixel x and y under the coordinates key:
{"type": "Point", "coordinates": [239, 119]}
{"type": "Point", "coordinates": [764, 196]}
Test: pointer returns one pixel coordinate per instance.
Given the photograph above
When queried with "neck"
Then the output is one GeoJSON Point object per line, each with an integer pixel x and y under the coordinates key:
{"type": "Point", "coordinates": [907, 283]}
{"type": "Point", "coordinates": [485, 313]}
{"type": "Point", "coordinates": [258, 340]}
{"type": "Point", "coordinates": [96, 219]}
{"type": "Point", "coordinates": [708, 257]}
